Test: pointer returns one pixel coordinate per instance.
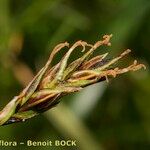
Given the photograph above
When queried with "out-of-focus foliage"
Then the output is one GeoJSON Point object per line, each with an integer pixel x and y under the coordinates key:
{"type": "Point", "coordinates": [29, 29]}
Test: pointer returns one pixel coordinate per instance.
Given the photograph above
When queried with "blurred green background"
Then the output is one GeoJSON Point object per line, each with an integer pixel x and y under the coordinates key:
{"type": "Point", "coordinates": [105, 116]}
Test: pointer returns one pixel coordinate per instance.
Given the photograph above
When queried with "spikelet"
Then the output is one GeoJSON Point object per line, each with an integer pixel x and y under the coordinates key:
{"type": "Point", "coordinates": [51, 83]}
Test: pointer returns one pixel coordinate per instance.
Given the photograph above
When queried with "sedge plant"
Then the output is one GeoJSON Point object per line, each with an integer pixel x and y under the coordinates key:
{"type": "Point", "coordinates": [53, 82]}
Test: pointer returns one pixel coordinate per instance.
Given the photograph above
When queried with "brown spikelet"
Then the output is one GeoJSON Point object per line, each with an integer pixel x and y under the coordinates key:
{"type": "Point", "coordinates": [51, 83]}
